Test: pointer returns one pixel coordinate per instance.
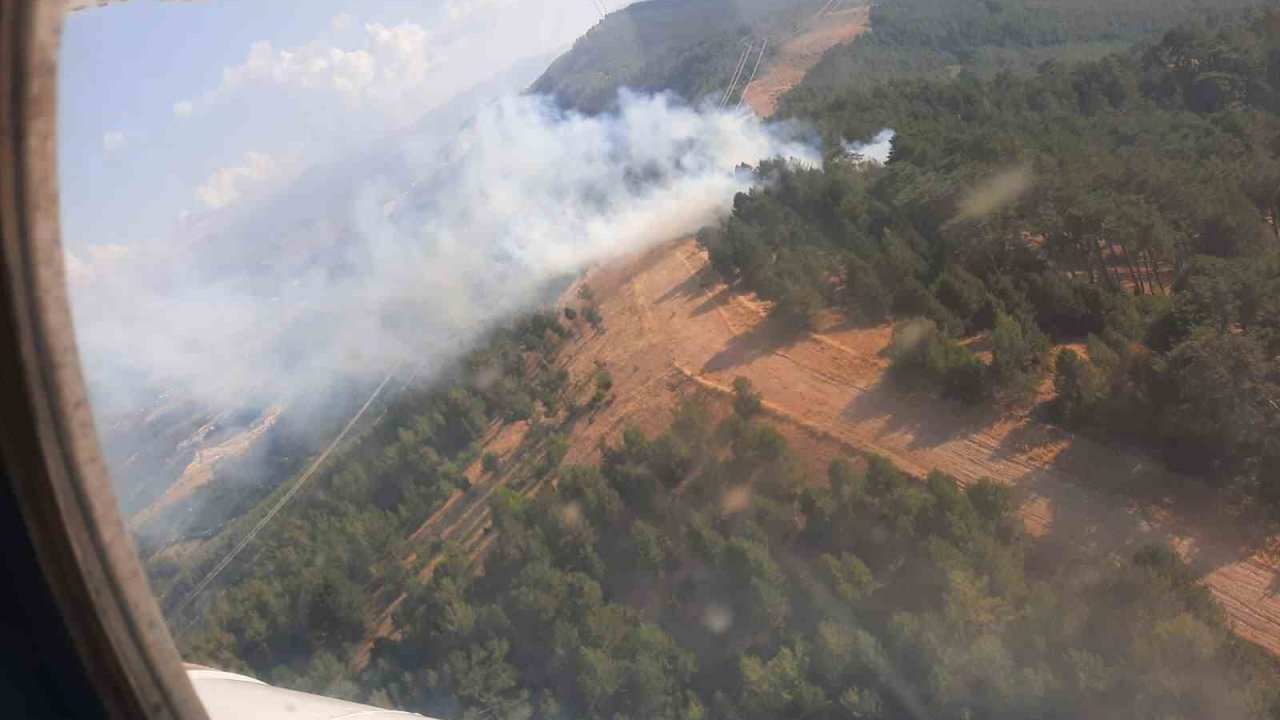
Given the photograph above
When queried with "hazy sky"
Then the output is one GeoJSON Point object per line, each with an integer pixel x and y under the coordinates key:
{"type": "Point", "coordinates": [169, 109]}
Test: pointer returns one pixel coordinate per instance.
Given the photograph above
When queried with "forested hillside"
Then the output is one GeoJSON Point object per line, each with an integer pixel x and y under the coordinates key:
{"type": "Point", "coordinates": [1128, 203]}
{"type": "Point", "coordinates": [689, 47]}
{"type": "Point", "coordinates": [1109, 228]}
{"type": "Point", "coordinates": [698, 574]}
{"type": "Point", "coordinates": [946, 38]}
{"type": "Point", "coordinates": [304, 598]}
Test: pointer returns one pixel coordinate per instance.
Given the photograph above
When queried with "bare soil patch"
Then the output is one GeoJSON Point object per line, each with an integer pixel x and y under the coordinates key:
{"type": "Point", "coordinates": [199, 471]}
{"type": "Point", "coordinates": [673, 329]}
{"type": "Point", "coordinates": [798, 54]}
{"type": "Point", "coordinates": [665, 312]}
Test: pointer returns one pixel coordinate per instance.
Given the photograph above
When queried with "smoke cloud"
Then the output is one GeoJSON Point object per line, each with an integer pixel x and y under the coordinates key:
{"type": "Point", "coordinates": [285, 304]}
{"type": "Point", "coordinates": [877, 150]}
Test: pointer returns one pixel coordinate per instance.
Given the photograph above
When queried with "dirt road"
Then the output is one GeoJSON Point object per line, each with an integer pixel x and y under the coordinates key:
{"type": "Point", "coordinates": [669, 319]}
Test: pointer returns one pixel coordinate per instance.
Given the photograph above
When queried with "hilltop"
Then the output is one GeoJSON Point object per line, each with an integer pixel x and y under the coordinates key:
{"type": "Point", "coordinates": [688, 47]}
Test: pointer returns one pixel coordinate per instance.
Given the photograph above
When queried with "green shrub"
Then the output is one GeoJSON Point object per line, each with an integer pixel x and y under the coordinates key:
{"type": "Point", "coordinates": [746, 401]}
{"type": "Point", "coordinates": [490, 463]}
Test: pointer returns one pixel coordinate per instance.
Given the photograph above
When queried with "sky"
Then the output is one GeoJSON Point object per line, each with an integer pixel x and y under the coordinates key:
{"type": "Point", "coordinates": [173, 109]}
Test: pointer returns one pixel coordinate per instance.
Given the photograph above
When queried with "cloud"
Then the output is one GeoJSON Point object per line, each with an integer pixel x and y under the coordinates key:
{"type": "Point", "coordinates": [113, 141]}
{"type": "Point", "coordinates": [226, 185]}
{"type": "Point", "coordinates": [93, 261]}
{"type": "Point", "coordinates": [386, 70]}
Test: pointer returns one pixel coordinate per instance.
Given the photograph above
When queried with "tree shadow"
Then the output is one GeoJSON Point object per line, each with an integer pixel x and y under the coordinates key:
{"type": "Point", "coordinates": [715, 301]}
{"type": "Point", "coordinates": [1113, 501]}
{"type": "Point", "coordinates": [764, 338]}
{"type": "Point", "coordinates": [692, 286]}
{"type": "Point", "coordinates": [1088, 495]}
{"type": "Point", "coordinates": [1029, 439]}
{"type": "Point", "coordinates": [903, 407]}
{"type": "Point", "coordinates": [841, 322]}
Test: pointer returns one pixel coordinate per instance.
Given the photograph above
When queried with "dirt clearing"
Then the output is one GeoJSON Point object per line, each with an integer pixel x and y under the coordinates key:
{"type": "Point", "coordinates": [672, 329]}
{"type": "Point", "coordinates": [670, 320]}
{"type": "Point", "coordinates": [797, 55]}
{"type": "Point", "coordinates": [201, 468]}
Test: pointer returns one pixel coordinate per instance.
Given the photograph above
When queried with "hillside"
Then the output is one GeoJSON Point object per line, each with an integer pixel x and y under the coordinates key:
{"type": "Point", "coordinates": [673, 323]}
{"type": "Point", "coordinates": [672, 343]}
{"type": "Point", "coordinates": [675, 331]}
{"type": "Point", "coordinates": [925, 439]}
{"type": "Point", "coordinates": [981, 38]}
{"type": "Point", "coordinates": [795, 55]}
{"type": "Point", "coordinates": [829, 393]}
{"type": "Point", "coordinates": [689, 47]}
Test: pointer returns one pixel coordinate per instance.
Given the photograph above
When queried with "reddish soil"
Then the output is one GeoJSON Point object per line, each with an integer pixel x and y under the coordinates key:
{"type": "Point", "coordinates": [669, 320]}
{"type": "Point", "coordinates": [800, 52]}
{"type": "Point", "coordinates": [464, 519]}
{"type": "Point", "coordinates": [672, 329]}
{"type": "Point", "coordinates": [200, 470]}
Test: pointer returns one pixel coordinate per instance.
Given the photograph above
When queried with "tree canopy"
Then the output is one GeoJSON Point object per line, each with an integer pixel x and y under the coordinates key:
{"type": "Point", "coordinates": [1126, 203]}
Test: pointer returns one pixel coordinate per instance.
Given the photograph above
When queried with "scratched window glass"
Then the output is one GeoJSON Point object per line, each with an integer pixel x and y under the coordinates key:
{"type": "Point", "coordinates": [794, 359]}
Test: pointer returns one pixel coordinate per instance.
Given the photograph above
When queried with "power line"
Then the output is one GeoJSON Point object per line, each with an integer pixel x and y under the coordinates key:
{"type": "Point", "coordinates": [737, 73]}
{"type": "Point", "coordinates": [754, 70]}
{"type": "Point", "coordinates": [284, 499]}
{"type": "Point", "coordinates": [315, 465]}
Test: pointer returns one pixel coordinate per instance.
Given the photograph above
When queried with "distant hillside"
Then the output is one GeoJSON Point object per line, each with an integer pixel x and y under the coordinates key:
{"type": "Point", "coordinates": [689, 47]}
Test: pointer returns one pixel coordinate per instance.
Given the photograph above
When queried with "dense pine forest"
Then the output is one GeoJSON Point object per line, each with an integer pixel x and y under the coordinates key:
{"type": "Point", "coordinates": [1126, 205]}
{"type": "Point", "coordinates": [944, 39]}
{"type": "Point", "coordinates": [698, 575]}
{"type": "Point", "coordinates": [306, 593]}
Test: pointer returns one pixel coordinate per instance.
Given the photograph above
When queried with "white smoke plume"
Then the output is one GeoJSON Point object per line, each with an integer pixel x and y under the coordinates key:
{"type": "Point", "coordinates": [877, 150]}
{"type": "Point", "coordinates": [526, 194]}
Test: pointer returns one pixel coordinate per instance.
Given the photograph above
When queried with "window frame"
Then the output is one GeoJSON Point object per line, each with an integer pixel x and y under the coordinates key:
{"type": "Point", "coordinates": [48, 444]}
